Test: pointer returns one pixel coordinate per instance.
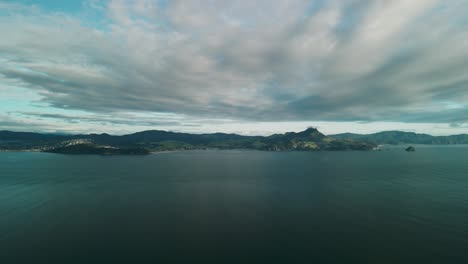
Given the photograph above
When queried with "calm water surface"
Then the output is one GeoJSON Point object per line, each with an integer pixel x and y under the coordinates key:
{"type": "Point", "coordinates": [236, 207]}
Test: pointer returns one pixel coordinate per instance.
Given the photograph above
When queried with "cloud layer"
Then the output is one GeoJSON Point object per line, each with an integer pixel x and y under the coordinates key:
{"type": "Point", "coordinates": [355, 60]}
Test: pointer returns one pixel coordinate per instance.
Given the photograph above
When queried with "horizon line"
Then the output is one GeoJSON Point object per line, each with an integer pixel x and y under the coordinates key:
{"type": "Point", "coordinates": [211, 133]}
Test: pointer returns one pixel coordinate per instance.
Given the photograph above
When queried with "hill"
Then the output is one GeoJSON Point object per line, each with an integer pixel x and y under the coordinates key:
{"type": "Point", "coordinates": [399, 137]}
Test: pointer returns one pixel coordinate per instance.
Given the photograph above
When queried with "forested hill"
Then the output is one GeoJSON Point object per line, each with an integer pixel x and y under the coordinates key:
{"type": "Point", "coordinates": [399, 137]}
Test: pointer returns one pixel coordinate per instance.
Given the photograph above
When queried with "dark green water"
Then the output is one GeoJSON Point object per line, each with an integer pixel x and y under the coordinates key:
{"type": "Point", "coordinates": [236, 207]}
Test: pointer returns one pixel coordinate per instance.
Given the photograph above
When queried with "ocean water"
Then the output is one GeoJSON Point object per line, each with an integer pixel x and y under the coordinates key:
{"type": "Point", "coordinates": [236, 207]}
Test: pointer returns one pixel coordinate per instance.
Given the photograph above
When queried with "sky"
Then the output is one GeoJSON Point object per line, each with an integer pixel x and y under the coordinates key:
{"type": "Point", "coordinates": [247, 67]}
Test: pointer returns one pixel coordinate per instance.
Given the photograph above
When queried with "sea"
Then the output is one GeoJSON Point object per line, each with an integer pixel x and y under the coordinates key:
{"type": "Point", "coordinates": [236, 206]}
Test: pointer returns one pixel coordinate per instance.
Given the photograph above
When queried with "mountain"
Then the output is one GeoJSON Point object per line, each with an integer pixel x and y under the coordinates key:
{"type": "Point", "coordinates": [309, 140]}
{"type": "Point", "coordinates": [399, 137]}
{"type": "Point", "coordinates": [156, 140]}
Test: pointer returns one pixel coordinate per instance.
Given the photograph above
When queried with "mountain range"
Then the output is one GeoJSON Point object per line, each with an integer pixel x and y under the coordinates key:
{"type": "Point", "coordinates": [146, 142]}
{"type": "Point", "coordinates": [155, 140]}
{"type": "Point", "coordinates": [399, 137]}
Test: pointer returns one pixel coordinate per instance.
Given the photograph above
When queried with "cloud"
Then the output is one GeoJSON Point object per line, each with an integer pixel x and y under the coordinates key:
{"type": "Point", "coordinates": [107, 119]}
{"type": "Point", "coordinates": [245, 60]}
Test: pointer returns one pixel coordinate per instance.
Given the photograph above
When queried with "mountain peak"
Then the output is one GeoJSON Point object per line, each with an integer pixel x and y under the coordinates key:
{"type": "Point", "coordinates": [311, 132]}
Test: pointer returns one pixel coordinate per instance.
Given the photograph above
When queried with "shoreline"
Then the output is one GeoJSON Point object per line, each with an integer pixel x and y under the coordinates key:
{"type": "Point", "coordinates": [381, 148]}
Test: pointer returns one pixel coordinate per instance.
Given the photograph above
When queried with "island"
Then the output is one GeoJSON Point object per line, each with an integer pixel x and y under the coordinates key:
{"type": "Point", "coordinates": [410, 149]}
{"type": "Point", "coordinates": [84, 149]}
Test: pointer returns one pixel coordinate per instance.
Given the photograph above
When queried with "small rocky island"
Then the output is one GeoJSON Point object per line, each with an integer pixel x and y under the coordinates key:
{"type": "Point", "coordinates": [410, 149]}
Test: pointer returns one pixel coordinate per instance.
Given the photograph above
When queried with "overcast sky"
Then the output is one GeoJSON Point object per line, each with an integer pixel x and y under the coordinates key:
{"type": "Point", "coordinates": [249, 67]}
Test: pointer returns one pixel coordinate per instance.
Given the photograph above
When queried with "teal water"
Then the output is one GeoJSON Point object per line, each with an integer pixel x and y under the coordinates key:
{"type": "Point", "coordinates": [236, 207]}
